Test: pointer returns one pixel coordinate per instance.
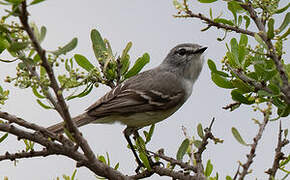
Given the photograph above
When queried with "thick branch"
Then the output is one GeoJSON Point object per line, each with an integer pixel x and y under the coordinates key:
{"type": "Point", "coordinates": [252, 153]}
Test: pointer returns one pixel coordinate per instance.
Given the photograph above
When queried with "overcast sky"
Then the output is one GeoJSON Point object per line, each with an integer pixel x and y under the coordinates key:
{"type": "Point", "coordinates": [149, 24]}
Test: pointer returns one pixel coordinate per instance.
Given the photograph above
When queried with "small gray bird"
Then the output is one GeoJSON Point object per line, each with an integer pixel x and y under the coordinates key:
{"type": "Point", "coordinates": [148, 97]}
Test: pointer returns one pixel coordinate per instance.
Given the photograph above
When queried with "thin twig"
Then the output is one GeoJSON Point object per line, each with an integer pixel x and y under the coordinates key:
{"type": "Point", "coordinates": [173, 161]}
{"type": "Point", "coordinates": [210, 22]}
{"type": "Point", "coordinates": [279, 155]}
{"type": "Point", "coordinates": [21, 155]}
{"type": "Point", "coordinates": [256, 139]}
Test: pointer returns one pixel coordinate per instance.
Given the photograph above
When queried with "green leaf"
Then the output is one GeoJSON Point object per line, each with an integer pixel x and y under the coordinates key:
{"type": "Point", "coordinates": [43, 105]}
{"type": "Point", "coordinates": [83, 62]}
{"type": "Point", "coordinates": [117, 166]}
{"type": "Point", "coordinates": [237, 96]}
{"type": "Point", "coordinates": [67, 48]}
{"type": "Point", "coordinates": [242, 50]}
{"type": "Point", "coordinates": [247, 19]}
{"type": "Point", "coordinates": [99, 45]}
{"type": "Point", "coordinates": [36, 2]}
{"type": "Point", "coordinates": [197, 143]}
{"type": "Point", "coordinates": [3, 44]}
{"type": "Point", "coordinates": [229, 178]}
{"type": "Point", "coordinates": [200, 131]}
{"type": "Point", "coordinates": [211, 65]}
{"type": "Point", "coordinates": [102, 159]}
{"type": "Point", "coordinates": [149, 136]}
{"type": "Point", "coordinates": [223, 21]}
{"type": "Point", "coordinates": [3, 137]}
{"type": "Point", "coordinates": [17, 46]}
{"type": "Point", "coordinates": [260, 40]}
{"type": "Point", "coordinates": [285, 34]}
{"type": "Point", "coordinates": [285, 22]}
{"type": "Point", "coordinates": [238, 136]}
{"type": "Point", "coordinates": [42, 33]}
{"type": "Point", "coordinates": [85, 92]}
{"type": "Point", "coordinates": [279, 11]}
{"type": "Point", "coordinates": [270, 32]}
{"type": "Point", "coordinates": [37, 94]}
{"type": "Point", "coordinates": [178, 5]}
{"type": "Point", "coordinates": [208, 169]}
{"type": "Point", "coordinates": [221, 81]}
{"type": "Point", "coordinates": [126, 50]}
{"type": "Point", "coordinates": [182, 149]}
{"type": "Point", "coordinates": [139, 64]}
{"type": "Point", "coordinates": [145, 160]}
{"type": "Point", "coordinates": [207, 1]}
{"type": "Point", "coordinates": [243, 87]}
{"type": "Point", "coordinates": [74, 174]}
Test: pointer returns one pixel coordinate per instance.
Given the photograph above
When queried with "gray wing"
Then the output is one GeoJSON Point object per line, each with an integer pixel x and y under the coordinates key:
{"type": "Point", "coordinates": [140, 94]}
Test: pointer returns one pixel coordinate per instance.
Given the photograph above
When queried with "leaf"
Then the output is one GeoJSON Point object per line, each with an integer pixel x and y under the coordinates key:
{"type": "Point", "coordinates": [3, 137]}
{"type": "Point", "coordinates": [145, 160]}
{"type": "Point", "coordinates": [221, 81]}
{"type": "Point", "coordinates": [3, 44]}
{"type": "Point", "coordinates": [260, 40]}
{"type": "Point", "coordinates": [247, 19]}
{"type": "Point", "coordinates": [182, 149]}
{"type": "Point", "coordinates": [237, 96]}
{"type": "Point", "coordinates": [117, 166]}
{"type": "Point", "coordinates": [211, 65]}
{"type": "Point", "coordinates": [37, 94]}
{"type": "Point", "coordinates": [270, 32]}
{"type": "Point", "coordinates": [208, 169]}
{"type": "Point", "coordinates": [149, 136]}
{"type": "Point", "coordinates": [36, 2]}
{"type": "Point", "coordinates": [200, 131]}
{"type": "Point", "coordinates": [42, 33]}
{"type": "Point", "coordinates": [242, 50]}
{"type": "Point", "coordinates": [245, 88]}
{"type": "Point", "coordinates": [102, 159]}
{"type": "Point", "coordinates": [43, 105]}
{"type": "Point", "coordinates": [67, 48]}
{"type": "Point", "coordinates": [85, 92]}
{"type": "Point", "coordinates": [197, 143]}
{"type": "Point", "coordinates": [207, 1]}
{"type": "Point", "coordinates": [229, 178]}
{"type": "Point", "coordinates": [238, 136]}
{"type": "Point", "coordinates": [99, 45]}
{"type": "Point", "coordinates": [223, 21]}
{"type": "Point", "coordinates": [285, 34]}
{"type": "Point", "coordinates": [83, 62]}
{"type": "Point", "coordinates": [285, 22]}
{"type": "Point", "coordinates": [178, 5]}
{"type": "Point", "coordinates": [279, 11]}
{"type": "Point", "coordinates": [74, 174]}
{"type": "Point", "coordinates": [139, 64]}
{"type": "Point", "coordinates": [17, 46]}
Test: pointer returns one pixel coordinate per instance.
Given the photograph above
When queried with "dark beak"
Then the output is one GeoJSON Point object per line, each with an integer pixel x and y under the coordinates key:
{"type": "Point", "coordinates": [200, 50]}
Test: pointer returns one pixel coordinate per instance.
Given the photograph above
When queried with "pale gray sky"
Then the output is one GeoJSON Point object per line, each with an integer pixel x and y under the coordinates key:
{"type": "Point", "coordinates": [150, 26]}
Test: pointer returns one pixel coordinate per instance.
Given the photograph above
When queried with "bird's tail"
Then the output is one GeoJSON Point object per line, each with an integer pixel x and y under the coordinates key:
{"type": "Point", "coordinates": [79, 120]}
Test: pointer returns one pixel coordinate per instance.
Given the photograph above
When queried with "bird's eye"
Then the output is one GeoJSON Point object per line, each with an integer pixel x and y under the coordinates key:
{"type": "Point", "coordinates": [181, 52]}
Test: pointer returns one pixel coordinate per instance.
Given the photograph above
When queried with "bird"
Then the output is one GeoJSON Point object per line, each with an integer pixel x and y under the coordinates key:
{"type": "Point", "coordinates": [148, 97]}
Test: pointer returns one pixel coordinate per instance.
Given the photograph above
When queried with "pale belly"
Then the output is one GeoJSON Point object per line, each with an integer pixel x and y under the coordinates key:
{"type": "Point", "coordinates": [138, 120]}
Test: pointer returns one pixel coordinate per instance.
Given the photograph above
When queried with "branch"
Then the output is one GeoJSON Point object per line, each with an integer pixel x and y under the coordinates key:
{"type": "Point", "coordinates": [173, 161]}
{"type": "Point", "coordinates": [21, 155]}
{"type": "Point", "coordinates": [21, 122]}
{"type": "Point", "coordinates": [278, 154]}
{"type": "Point", "coordinates": [97, 167]}
{"type": "Point", "coordinates": [54, 84]}
{"type": "Point", "coordinates": [254, 83]}
{"type": "Point", "coordinates": [272, 51]}
{"type": "Point", "coordinates": [166, 172]}
{"type": "Point", "coordinates": [256, 139]}
{"type": "Point", "coordinates": [211, 22]}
